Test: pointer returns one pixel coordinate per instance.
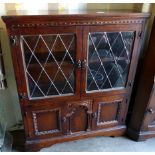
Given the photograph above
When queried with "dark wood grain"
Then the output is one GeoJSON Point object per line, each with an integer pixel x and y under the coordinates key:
{"type": "Point", "coordinates": [141, 118]}
{"type": "Point", "coordinates": [58, 119]}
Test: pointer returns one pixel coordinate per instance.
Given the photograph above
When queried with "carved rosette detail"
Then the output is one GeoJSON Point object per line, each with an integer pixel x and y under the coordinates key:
{"type": "Point", "coordinates": [37, 132]}
{"type": "Point", "coordinates": [102, 22]}
{"type": "Point", "coordinates": [84, 104]}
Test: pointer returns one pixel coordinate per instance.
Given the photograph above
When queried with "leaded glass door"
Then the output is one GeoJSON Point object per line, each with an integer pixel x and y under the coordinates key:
{"type": "Point", "coordinates": [107, 59]}
{"type": "Point", "coordinates": [50, 63]}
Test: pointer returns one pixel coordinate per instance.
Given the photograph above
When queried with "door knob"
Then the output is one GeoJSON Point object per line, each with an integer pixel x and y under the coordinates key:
{"type": "Point", "coordinates": [63, 119]}
{"type": "Point", "coordinates": [78, 64]}
{"type": "Point", "coordinates": [150, 110]}
{"type": "Point", "coordinates": [94, 115]}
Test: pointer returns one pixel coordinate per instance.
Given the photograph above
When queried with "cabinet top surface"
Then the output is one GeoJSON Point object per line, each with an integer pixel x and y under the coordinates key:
{"type": "Point", "coordinates": [117, 13]}
{"type": "Point", "coordinates": [12, 18]}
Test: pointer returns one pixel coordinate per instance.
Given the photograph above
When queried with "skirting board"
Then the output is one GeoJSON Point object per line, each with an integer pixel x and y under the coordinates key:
{"type": "Point", "coordinates": [36, 145]}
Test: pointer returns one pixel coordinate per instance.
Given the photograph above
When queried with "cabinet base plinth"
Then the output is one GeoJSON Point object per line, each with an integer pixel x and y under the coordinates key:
{"type": "Point", "coordinates": [36, 145]}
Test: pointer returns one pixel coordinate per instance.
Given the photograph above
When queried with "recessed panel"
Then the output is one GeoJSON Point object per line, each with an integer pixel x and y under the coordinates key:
{"type": "Point", "coordinates": [46, 122]}
{"type": "Point", "coordinates": [107, 113]}
{"type": "Point", "coordinates": [79, 120]}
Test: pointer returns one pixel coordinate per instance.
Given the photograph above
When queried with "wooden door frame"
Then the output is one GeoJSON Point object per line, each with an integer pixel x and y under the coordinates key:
{"type": "Point", "coordinates": [19, 63]}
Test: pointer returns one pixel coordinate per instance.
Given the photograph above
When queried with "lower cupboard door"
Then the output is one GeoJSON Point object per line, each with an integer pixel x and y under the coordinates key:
{"type": "Point", "coordinates": [78, 118]}
{"type": "Point", "coordinates": [44, 123]}
{"type": "Point", "coordinates": [108, 112]}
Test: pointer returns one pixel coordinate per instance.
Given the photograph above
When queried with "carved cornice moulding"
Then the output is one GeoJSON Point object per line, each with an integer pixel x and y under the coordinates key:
{"type": "Point", "coordinates": [63, 23]}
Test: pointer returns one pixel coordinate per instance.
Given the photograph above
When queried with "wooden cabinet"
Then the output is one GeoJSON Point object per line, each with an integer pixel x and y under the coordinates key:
{"type": "Point", "coordinates": [74, 73]}
{"type": "Point", "coordinates": [142, 122]}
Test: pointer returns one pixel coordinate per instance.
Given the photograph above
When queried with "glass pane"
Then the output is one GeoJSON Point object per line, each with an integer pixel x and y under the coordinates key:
{"type": "Point", "coordinates": [49, 64]}
{"type": "Point", "coordinates": [108, 59]}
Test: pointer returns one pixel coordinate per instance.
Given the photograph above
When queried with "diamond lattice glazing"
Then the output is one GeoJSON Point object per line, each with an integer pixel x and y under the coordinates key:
{"type": "Point", "coordinates": [108, 59]}
{"type": "Point", "coordinates": [49, 64]}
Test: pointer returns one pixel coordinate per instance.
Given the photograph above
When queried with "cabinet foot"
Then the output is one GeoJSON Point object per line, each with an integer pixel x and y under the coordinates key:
{"type": "Point", "coordinates": [140, 136]}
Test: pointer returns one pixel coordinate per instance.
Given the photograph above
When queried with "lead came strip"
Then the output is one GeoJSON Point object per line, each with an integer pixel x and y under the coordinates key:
{"type": "Point", "coordinates": [116, 47]}
{"type": "Point", "coordinates": [52, 81]}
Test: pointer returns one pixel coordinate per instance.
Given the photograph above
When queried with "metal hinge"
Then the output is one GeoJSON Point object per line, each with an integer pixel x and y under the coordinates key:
{"type": "Point", "coordinates": [139, 35]}
{"type": "Point", "coordinates": [23, 96]}
{"type": "Point", "coordinates": [14, 40]}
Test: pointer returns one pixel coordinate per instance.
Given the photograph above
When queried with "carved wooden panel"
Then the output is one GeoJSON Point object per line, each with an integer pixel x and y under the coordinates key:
{"type": "Point", "coordinates": [79, 116]}
{"type": "Point", "coordinates": [79, 120]}
{"type": "Point", "coordinates": [46, 121]}
{"type": "Point", "coordinates": [108, 112]}
{"type": "Point", "coordinates": [86, 22]}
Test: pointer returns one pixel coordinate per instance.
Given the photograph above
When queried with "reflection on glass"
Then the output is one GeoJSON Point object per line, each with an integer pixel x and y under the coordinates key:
{"type": "Point", "coordinates": [108, 59]}
{"type": "Point", "coordinates": [49, 64]}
